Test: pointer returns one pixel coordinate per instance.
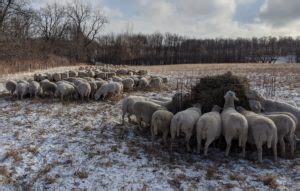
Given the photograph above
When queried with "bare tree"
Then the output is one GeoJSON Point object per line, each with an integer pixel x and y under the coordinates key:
{"type": "Point", "coordinates": [52, 22]}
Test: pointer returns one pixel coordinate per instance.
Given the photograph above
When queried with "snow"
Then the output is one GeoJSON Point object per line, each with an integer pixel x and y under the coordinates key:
{"type": "Point", "coordinates": [46, 144]}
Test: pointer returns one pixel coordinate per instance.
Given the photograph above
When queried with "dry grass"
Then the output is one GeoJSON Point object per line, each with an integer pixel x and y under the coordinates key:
{"type": "Point", "coordinates": [221, 68]}
{"type": "Point", "coordinates": [15, 66]}
{"type": "Point", "coordinates": [269, 180]}
{"type": "Point", "coordinates": [81, 174]}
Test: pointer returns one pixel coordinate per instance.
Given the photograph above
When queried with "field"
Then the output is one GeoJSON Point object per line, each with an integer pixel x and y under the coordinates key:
{"type": "Point", "coordinates": [46, 144]}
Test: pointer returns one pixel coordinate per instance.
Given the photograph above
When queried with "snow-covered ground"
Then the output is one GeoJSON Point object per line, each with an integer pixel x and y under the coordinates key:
{"type": "Point", "coordinates": [46, 144]}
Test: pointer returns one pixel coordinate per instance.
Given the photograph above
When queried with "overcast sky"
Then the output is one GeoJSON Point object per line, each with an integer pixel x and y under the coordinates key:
{"type": "Point", "coordinates": [201, 18]}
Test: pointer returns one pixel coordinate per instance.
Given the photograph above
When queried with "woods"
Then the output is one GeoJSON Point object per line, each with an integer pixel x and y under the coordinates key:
{"type": "Point", "coordinates": [75, 32]}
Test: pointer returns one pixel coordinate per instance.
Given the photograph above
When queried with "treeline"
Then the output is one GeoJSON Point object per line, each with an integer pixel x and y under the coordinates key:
{"type": "Point", "coordinates": [174, 49]}
{"type": "Point", "coordinates": [74, 31]}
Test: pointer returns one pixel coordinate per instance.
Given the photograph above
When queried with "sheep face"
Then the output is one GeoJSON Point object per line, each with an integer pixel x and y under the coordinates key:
{"type": "Point", "coordinates": [231, 95]}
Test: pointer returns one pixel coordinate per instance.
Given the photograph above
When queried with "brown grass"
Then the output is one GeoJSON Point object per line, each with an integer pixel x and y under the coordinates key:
{"type": "Point", "coordinates": [15, 66]}
{"type": "Point", "coordinates": [81, 174]}
{"type": "Point", "coordinates": [269, 180]}
{"type": "Point", "coordinates": [221, 68]}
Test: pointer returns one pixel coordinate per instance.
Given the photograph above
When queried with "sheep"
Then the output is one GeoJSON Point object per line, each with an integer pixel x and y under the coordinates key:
{"type": "Point", "coordinates": [72, 73]}
{"type": "Point", "coordinates": [128, 84]}
{"type": "Point", "coordinates": [56, 77]}
{"type": "Point", "coordinates": [261, 130]}
{"type": "Point", "coordinates": [11, 86]}
{"type": "Point", "coordinates": [110, 88]}
{"type": "Point", "coordinates": [49, 76]}
{"type": "Point", "coordinates": [142, 72]}
{"type": "Point", "coordinates": [234, 124]}
{"type": "Point", "coordinates": [127, 106]}
{"type": "Point", "coordinates": [64, 89]}
{"type": "Point", "coordinates": [165, 80]}
{"type": "Point", "coordinates": [155, 83]}
{"type": "Point", "coordinates": [269, 105]}
{"type": "Point", "coordinates": [122, 72]}
{"type": "Point", "coordinates": [185, 121]}
{"type": "Point", "coordinates": [160, 122]}
{"type": "Point", "coordinates": [143, 83]}
{"type": "Point", "coordinates": [22, 89]}
{"type": "Point", "coordinates": [48, 87]}
{"type": "Point", "coordinates": [82, 74]}
{"type": "Point", "coordinates": [100, 83]}
{"type": "Point", "coordinates": [285, 129]}
{"type": "Point", "coordinates": [101, 75]}
{"type": "Point", "coordinates": [64, 75]}
{"type": "Point", "coordinates": [117, 79]}
{"type": "Point", "coordinates": [84, 90]}
{"type": "Point", "coordinates": [93, 88]}
{"type": "Point", "coordinates": [91, 74]}
{"type": "Point", "coordinates": [209, 127]}
{"type": "Point", "coordinates": [143, 111]}
{"type": "Point", "coordinates": [110, 74]}
{"type": "Point", "coordinates": [89, 79]}
{"type": "Point", "coordinates": [34, 89]}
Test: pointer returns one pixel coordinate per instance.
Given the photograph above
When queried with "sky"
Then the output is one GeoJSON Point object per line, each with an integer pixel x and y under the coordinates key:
{"type": "Point", "coordinates": [199, 18]}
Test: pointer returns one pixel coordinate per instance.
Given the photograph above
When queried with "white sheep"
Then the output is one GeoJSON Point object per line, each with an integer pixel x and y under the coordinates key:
{"type": "Point", "coordinates": [156, 82]}
{"type": "Point", "coordinates": [209, 128]}
{"type": "Point", "coordinates": [56, 77]}
{"type": "Point", "coordinates": [185, 122]}
{"type": "Point", "coordinates": [160, 122]}
{"type": "Point", "coordinates": [72, 73]}
{"type": "Point", "coordinates": [261, 130]}
{"type": "Point", "coordinates": [285, 129]}
{"type": "Point", "coordinates": [34, 89]}
{"type": "Point", "coordinates": [64, 75]}
{"type": "Point", "coordinates": [143, 111]}
{"type": "Point", "coordinates": [269, 105]}
{"type": "Point", "coordinates": [127, 106]}
{"type": "Point", "coordinates": [65, 89]}
{"type": "Point", "coordinates": [82, 74]}
{"type": "Point", "coordinates": [22, 89]}
{"type": "Point", "coordinates": [143, 83]}
{"type": "Point", "coordinates": [128, 84]}
{"type": "Point", "coordinates": [11, 86]}
{"type": "Point", "coordinates": [84, 90]}
{"type": "Point", "coordinates": [94, 88]}
{"type": "Point", "coordinates": [48, 87]}
{"type": "Point", "coordinates": [142, 72]}
{"type": "Point", "coordinates": [113, 88]}
{"type": "Point", "coordinates": [234, 124]}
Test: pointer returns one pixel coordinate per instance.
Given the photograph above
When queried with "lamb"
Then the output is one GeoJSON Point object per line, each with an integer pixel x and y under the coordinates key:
{"type": "Point", "coordinates": [65, 89]}
{"type": "Point", "coordinates": [11, 86]}
{"type": "Point", "coordinates": [160, 122]}
{"type": "Point", "coordinates": [185, 121]}
{"type": "Point", "coordinates": [261, 130]}
{"type": "Point", "coordinates": [110, 88]}
{"type": "Point", "coordinates": [143, 111]}
{"type": "Point", "coordinates": [22, 89]}
{"type": "Point", "coordinates": [155, 83]}
{"type": "Point", "coordinates": [48, 87]}
{"type": "Point", "coordinates": [234, 124]}
{"type": "Point", "coordinates": [209, 127]}
{"type": "Point", "coordinates": [269, 105]}
{"type": "Point", "coordinates": [128, 84]}
{"type": "Point", "coordinates": [84, 90]}
{"type": "Point", "coordinates": [285, 129]}
{"type": "Point", "coordinates": [34, 88]}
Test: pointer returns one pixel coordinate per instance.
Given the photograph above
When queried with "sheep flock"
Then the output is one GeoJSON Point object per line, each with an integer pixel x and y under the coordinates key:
{"type": "Point", "coordinates": [268, 124]}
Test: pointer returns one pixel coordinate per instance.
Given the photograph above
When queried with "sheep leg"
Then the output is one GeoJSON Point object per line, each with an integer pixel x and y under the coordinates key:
{"type": "Point", "coordinates": [123, 118]}
{"type": "Point", "coordinates": [259, 152]}
{"type": "Point", "coordinates": [187, 139]}
{"type": "Point", "coordinates": [291, 141]}
{"type": "Point", "coordinates": [207, 143]}
{"type": "Point", "coordinates": [129, 119]}
{"type": "Point", "coordinates": [282, 146]}
{"type": "Point", "coordinates": [165, 136]}
{"type": "Point", "coordinates": [228, 145]}
{"type": "Point", "coordinates": [198, 145]}
{"type": "Point", "coordinates": [275, 150]}
{"type": "Point", "coordinates": [244, 148]}
{"type": "Point", "coordinates": [152, 136]}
